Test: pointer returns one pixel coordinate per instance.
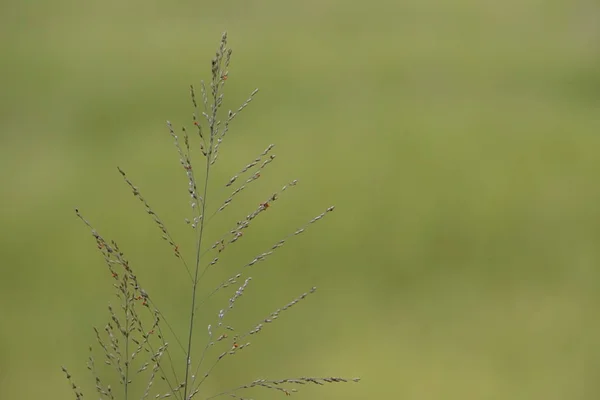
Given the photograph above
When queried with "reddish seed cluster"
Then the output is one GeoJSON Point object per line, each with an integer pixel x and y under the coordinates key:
{"type": "Point", "coordinates": [143, 298]}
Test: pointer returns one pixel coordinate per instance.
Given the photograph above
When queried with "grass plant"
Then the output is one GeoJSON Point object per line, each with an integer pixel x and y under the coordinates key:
{"type": "Point", "coordinates": [147, 354]}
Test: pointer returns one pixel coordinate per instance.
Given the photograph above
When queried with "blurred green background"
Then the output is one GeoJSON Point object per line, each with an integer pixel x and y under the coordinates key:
{"type": "Point", "coordinates": [457, 139]}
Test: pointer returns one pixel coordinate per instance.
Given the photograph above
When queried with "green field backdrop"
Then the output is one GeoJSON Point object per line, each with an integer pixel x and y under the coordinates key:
{"type": "Point", "coordinates": [459, 141]}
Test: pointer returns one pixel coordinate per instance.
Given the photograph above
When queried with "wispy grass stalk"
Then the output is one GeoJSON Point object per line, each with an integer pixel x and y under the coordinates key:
{"type": "Point", "coordinates": [133, 340]}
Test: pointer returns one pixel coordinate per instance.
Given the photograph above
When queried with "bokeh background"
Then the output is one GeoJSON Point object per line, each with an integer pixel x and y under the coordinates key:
{"type": "Point", "coordinates": [458, 140]}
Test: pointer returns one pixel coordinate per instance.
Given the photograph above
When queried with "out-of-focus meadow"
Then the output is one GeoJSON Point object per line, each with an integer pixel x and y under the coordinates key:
{"type": "Point", "coordinates": [458, 140]}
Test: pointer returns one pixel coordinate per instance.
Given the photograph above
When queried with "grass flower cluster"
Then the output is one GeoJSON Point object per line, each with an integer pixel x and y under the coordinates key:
{"type": "Point", "coordinates": [140, 349]}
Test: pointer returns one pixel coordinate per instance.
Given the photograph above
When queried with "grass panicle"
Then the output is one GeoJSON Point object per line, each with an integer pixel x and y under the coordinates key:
{"type": "Point", "coordinates": [132, 343]}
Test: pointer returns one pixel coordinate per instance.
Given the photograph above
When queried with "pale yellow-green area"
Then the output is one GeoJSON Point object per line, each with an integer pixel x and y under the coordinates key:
{"type": "Point", "coordinates": [459, 141]}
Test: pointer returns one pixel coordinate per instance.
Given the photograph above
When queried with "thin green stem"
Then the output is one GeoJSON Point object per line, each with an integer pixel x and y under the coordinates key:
{"type": "Point", "coordinates": [195, 283]}
{"type": "Point", "coordinates": [126, 333]}
{"type": "Point", "coordinates": [213, 131]}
